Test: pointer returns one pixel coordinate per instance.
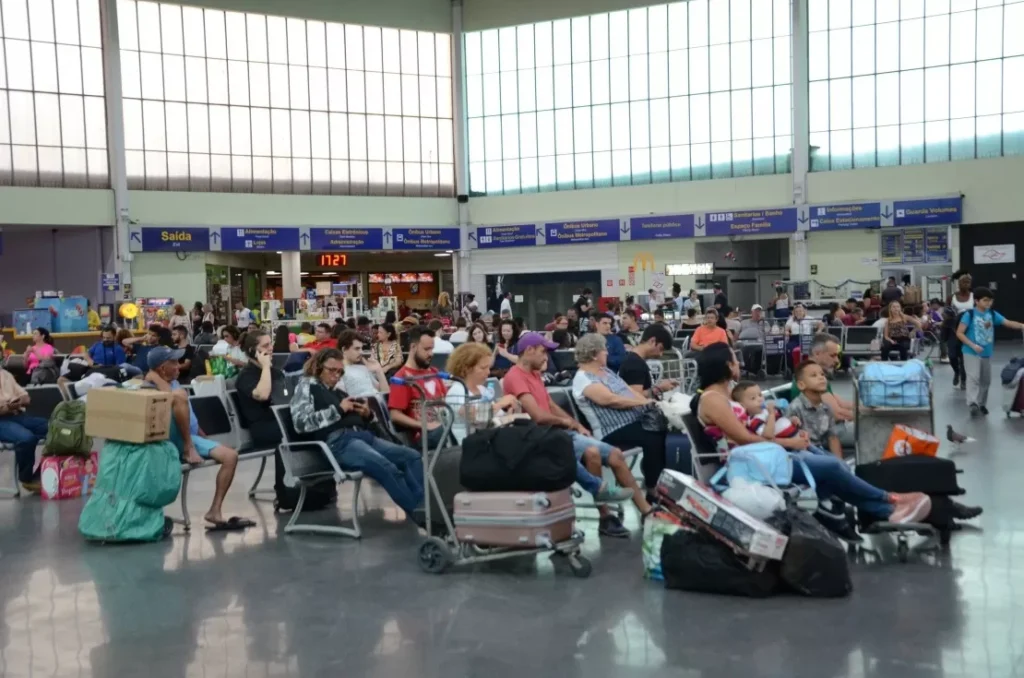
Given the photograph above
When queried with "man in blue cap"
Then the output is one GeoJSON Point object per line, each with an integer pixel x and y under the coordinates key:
{"type": "Point", "coordinates": [163, 375]}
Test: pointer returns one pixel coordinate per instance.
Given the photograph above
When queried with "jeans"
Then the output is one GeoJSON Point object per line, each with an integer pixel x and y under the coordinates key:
{"type": "Point", "coordinates": [24, 432]}
{"type": "Point", "coordinates": [651, 442]}
{"type": "Point", "coordinates": [580, 443]}
{"type": "Point", "coordinates": [902, 346]}
{"type": "Point", "coordinates": [833, 478]}
{"type": "Point", "coordinates": [979, 377]}
{"type": "Point", "coordinates": [397, 468]}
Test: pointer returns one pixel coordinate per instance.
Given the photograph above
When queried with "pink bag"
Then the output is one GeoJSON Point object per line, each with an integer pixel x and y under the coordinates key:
{"type": "Point", "coordinates": [526, 519]}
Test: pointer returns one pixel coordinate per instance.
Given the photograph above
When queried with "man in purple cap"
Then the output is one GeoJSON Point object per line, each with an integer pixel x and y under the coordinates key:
{"type": "Point", "coordinates": [524, 381]}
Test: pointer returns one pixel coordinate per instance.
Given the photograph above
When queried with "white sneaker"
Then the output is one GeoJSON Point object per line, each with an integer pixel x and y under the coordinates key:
{"type": "Point", "coordinates": [913, 508]}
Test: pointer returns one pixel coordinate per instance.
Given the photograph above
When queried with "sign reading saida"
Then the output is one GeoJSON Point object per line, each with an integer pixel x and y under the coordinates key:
{"type": "Point", "coordinates": [175, 239]}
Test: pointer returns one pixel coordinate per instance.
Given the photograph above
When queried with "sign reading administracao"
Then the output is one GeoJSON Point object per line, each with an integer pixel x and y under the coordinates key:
{"type": "Point", "coordinates": [346, 239]}
{"type": "Point", "coordinates": [176, 239]}
{"type": "Point", "coordinates": [576, 232]}
{"type": "Point", "coordinates": [259, 239]}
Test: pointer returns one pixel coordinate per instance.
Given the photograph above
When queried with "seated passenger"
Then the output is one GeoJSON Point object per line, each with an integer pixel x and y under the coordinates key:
{"type": "Point", "coordinates": [692, 319]}
{"type": "Point", "coordinates": [387, 349]}
{"type": "Point", "coordinates": [163, 375]}
{"type": "Point", "coordinates": [616, 348]}
{"type": "Point", "coordinates": [635, 371]}
{"type": "Point", "coordinates": [470, 365]}
{"type": "Point", "coordinates": [20, 430]}
{"type": "Point", "coordinates": [259, 387]}
{"type": "Point", "coordinates": [441, 345]}
{"type": "Point", "coordinates": [108, 353]}
{"type": "Point", "coordinates": [506, 339]}
{"type": "Point", "coordinates": [206, 335]}
{"type": "Point", "coordinates": [763, 417]}
{"type": "Point", "coordinates": [329, 414]}
{"type": "Point", "coordinates": [364, 376]}
{"type": "Point", "coordinates": [614, 410]}
{"type": "Point", "coordinates": [708, 333]}
{"type": "Point", "coordinates": [716, 368]}
{"type": "Point", "coordinates": [525, 383]}
{"type": "Point", "coordinates": [229, 348]}
{"type": "Point", "coordinates": [460, 335]}
{"type": "Point", "coordinates": [405, 401]}
{"type": "Point", "coordinates": [40, 349]}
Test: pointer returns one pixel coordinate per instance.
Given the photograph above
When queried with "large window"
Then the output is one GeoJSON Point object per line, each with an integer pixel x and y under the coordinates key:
{"type": "Point", "coordinates": [689, 90]}
{"type": "Point", "coordinates": [53, 129]}
{"type": "Point", "coordinates": [899, 82]}
{"type": "Point", "coordinates": [229, 101]}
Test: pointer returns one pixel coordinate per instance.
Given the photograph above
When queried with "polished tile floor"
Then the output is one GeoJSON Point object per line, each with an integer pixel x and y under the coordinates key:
{"type": "Point", "coordinates": [260, 604]}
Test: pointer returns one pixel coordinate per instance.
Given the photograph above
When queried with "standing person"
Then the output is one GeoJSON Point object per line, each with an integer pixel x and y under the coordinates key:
{"type": "Point", "coordinates": [21, 430]}
{"type": "Point", "coordinates": [39, 350]}
{"type": "Point", "coordinates": [405, 402]}
{"type": "Point", "coordinates": [329, 414]}
{"type": "Point", "coordinates": [872, 306]}
{"type": "Point", "coordinates": [779, 305]}
{"type": "Point", "coordinates": [179, 317]}
{"type": "Point", "coordinates": [505, 310]}
{"type": "Point", "coordinates": [892, 292]}
{"type": "Point", "coordinates": [243, 316]}
{"type": "Point", "coordinates": [209, 316]}
{"type": "Point", "coordinates": [470, 308]}
{"type": "Point", "coordinates": [976, 331]}
{"type": "Point", "coordinates": [961, 302]}
{"type": "Point", "coordinates": [443, 309]}
{"type": "Point", "coordinates": [196, 314]}
{"type": "Point", "coordinates": [677, 296]}
{"type": "Point", "coordinates": [896, 334]}
{"type": "Point", "coordinates": [721, 301]}
{"type": "Point", "coordinates": [652, 301]}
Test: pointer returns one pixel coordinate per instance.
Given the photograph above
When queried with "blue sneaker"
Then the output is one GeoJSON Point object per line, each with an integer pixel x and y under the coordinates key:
{"type": "Point", "coordinates": [611, 526]}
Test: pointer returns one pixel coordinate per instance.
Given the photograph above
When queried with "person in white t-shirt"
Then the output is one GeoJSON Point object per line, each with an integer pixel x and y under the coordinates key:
{"type": "Point", "coordinates": [470, 365]}
{"type": "Point", "coordinates": [363, 376]}
{"type": "Point", "coordinates": [506, 305]}
{"type": "Point", "coordinates": [460, 335]}
{"type": "Point", "coordinates": [441, 345]}
{"type": "Point", "coordinates": [243, 316]}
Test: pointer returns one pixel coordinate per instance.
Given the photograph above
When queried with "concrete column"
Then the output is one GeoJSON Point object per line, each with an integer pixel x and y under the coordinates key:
{"type": "Point", "coordinates": [800, 266]}
{"type": "Point", "coordinates": [115, 139]}
{"type": "Point", "coordinates": [801, 111]}
{"type": "Point", "coordinates": [291, 280]}
{"type": "Point", "coordinates": [460, 261]}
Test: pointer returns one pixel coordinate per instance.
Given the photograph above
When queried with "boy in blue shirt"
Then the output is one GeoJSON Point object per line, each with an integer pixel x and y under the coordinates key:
{"type": "Point", "coordinates": [977, 330]}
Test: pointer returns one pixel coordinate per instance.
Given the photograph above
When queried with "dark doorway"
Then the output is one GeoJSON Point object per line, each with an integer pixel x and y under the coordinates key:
{"type": "Point", "coordinates": [543, 294]}
{"type": "Point", "coordinates": [1003, 276]}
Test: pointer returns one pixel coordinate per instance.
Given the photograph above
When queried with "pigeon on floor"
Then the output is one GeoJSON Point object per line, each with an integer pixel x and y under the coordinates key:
{"type": "Point", "coordinates": [957, 438]}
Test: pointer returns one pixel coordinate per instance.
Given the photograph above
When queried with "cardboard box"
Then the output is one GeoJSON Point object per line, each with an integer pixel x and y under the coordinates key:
{"type": "Point", "coordinates": [128, 415]}
{"type": "Point", "coordinates": [741, 530]}
{"type": "Point", "coordinates": [68, 477]}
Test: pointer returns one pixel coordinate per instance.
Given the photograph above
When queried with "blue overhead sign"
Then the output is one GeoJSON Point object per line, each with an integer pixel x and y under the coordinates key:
{"type": "Point", "coordinates": [329, 239]}
{"type": "Point", "coordinates": [110, 282]}
{"type": "Point", "coordinates": [259, 239]}
{"type": "Point", "coordinates": [174, 239]}
{"type": "Point", "coordinates": [752, 222]}
{"type": "Point", "coordinates": [927, 212]}
{"type": "Point", "coordinates": [657, 228]}
{"type": "Point", "coordinates": [574, 232]}
{"type": "Point", "coordinates": [425, 238]}
{"type": "Point", "coordinates": [515, 235]}
{"type": "Point", "coordinates": [848, 216]}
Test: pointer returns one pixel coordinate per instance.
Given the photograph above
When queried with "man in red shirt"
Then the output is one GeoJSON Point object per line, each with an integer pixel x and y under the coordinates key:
{"type": "Point", "coordinates": [323, 339]}
{"type": "Point", "coordinates": [405, 401]}
{"type": "Point", "coordinates": [523, 381]}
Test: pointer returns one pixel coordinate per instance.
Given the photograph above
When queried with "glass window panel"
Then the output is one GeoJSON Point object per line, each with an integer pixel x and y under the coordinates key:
{"type": "Point", "coordinates": [863, 50]}
{"type": "Point", "coordinates": [50, 166]}
{"type": "Point", "coordinates": [133, 124]}
{"type": "Point", "coordinates": [679, 120]}
{"type": "Point", "coordinates": [698, 24]}
{"type": "Point", "coordinates": [391, 51]}
{"type": "Point", "coordinates": [911, 46]}
{"type": "Point", "coordinates": [177, 128]}
{"type": "Point", "coordinates": [962, 38]}
{"type": "Point", "coordinates": [841, 150]}
{"type": "Point", "coordinates": [657, 75]}
{"type": "Point", "coordinates": [317, 88]}
{"type": "Point", "coordinates": [839, 53]}
{"type": "Point", "coordinates": [241, 134]}
{"type": "Point", "coordinates": [47, 119]}
{"type": "Point", "coordinates": [154, 131]}
{"type": "Point", "coordinates": [936, 41]}
{"type": "Point", "coordinates": [199, 170]}
{"type": "Point", "coordinates": [444, 97]}
{"type": "Point", "coordinates": [216, 80]}
{"type": "Point", "coordinates": [335, 45]}
{"type": "Point", "coordinates": [195, 79]}
{"type": "Point", "coordinates": [620, 126]}
{"type": "Point", "coordinates": [741, 65]}
{"type": "Point", "coordinates": [864, 147]}
{"type": "Point", "coordinates": [296, 36]}
{"type": "Point", "coordinates": [840, 104]}
{"type": "Point", "coordinates": [428, 140]}
{"type": "Point", "coordinates": [44, 67]}
{"type": "Point", "coordinates": [151, 68]}
{"type": "Point", "coordinates": [817, 64]}
{"type": "Point", "coordinates": [213, 19]}
{"type": "Point", "coordinates": [542, 44]}
{"type": "Point", "coordinates": [936, 141]}
{"type": "Point", "coordinates": [638, 31]}
{"type": "Point", "coordinates": [66, 14]}
{"type": "Point", "coordinates": [492, 94]}
{"type": "Point", "coordinates": [507, 49]}
{"type": "Point", "coordinates": [561, 41]}
{"type": "Point", "coordinates": [887, 52]}
{"type": "Point", "coordinates": [89, 24]}
{"type": "Point", "coordinates": [18, 52]}
{"type": "Point", "coordinates": [863, 13]}
{"type": "Point", "coordinates": [356, 91]}
{"type": "Point", "coordinates": [69, 72]}
{"type": "Point", "coordinates": [410, 139]}
{"type": "Point", "coordinates": [581, 128]}
{"type": "Point", "coordinates": [699, 70]}
{"type": "Point", "coordinates": [599, 82]}
{"type": "Point", "coordinates": [784, 113]}
{"type": "Point", "coordinates": [524, 46]}
{"type": "Point", "coordinates": [148, 18]}
{"type": "Point", "coordinates": [428, 96]}
{"type": "Point", "coordinates": [990, 33]}
{"type": "Point", "coordinates": [678, 73]}
{"type": "Point", "coordinates": [198, 128]}
{"type": "Point", "coordinates": [887, 94]}
{"type": "Point", "coordinates": [761, 102]}
{"type": "Point", "coordinates": [700, 121]}
{"type": "Point", "coordinates": [761, 18]}
{"type": "Point", "coordinates": [393, 143]}
{"type": "Point", "coordinates": [410, 95]}
{"type": "Point", "coordinates": [742, 115]}
{"type": "Point", "coordinates": [563, 86]}
{"type": "Point", "coordinates": [961, 81]}
{"type": "Point", "coordinates": [494, 176]}
{"type": "Point", "coordinates": [619, 79]}
{"type": "Point", "coordinates": [545, 132]}
{"type": "Point", "coordinates": [339, 135]}
{"type": "Point", "coordinates": [40, 21]}
{"type": "Point", "coordinates": [509, 136]}
{"type": "Point", "coordinates": [545, 89]}
{"type": "Point", "coordinates": [528, 135]}
{"type": "Point", "coordinates": [911, 144]}
{"type": "Point", "coordinates": [838, 13]}
{"type": "Point", "coordinates": [618, 34]}
{"type": "Point", "coordinates": [621, 168]}
{"type": "Point", "coordinates": [719, 55]}
{"type": "Point", "coordinates": [637, 77]}
{"type": "Point", "coordinates": [171, 29]}
{"type": "Point", "coordinates": [259, 125]}
{"type": "Point", "coordinates": [936, 92]}
{"type": "Point", "coordinates": [298, 86]}
{"type": "Point", "coordinates": [174, 78]}
{"type": "Point", "coordinates": [782, 18]}
{"type": "Point", "coordinates": [720, 117]}
{"type": "Point", "coordinates": [15, 15]}
{"type": "Point", "coordinates": [545, 172]}
{"type": "Point", "coordinates": [392, 94]}
{"type": "Point", "coordinates": [509, 92]}
{"type": "Point", "coordinates": [281, 133]}
{"type": "Point", "coordinates": [639, 117]}
{"type": "Point", "coordinates": [409, 52]}
{"type": "Point", "coordinates": [354, 47]}
{"type": "Point", "coordinates": [92, 71]}
{"type": "Point", "coordinates": [300, 133]}
{"type": "Point", "coordinates": [336, 90]}
{"type": "Point", "coordinates": [477, 178]}
{"type": "Point", "coordinates": [76, 167]}
{"type": "Point", "coordinates": [220, 130]}
{"type": "Point", "coordinates": [492, 138]}
{"type": "Point", "coordinates": [443, 52]}
{"type": "Point", "coordinates": [601, 127]}
{"type": "Point", "coordinates": [961, 139]}
{"type": "Point", "coordinates": [72, 121]}
{"type": "Point", "coordinates": [1013, 37]}
{"type": "Point", "coordinates": [25, 166]}
{"type": "Point", "coordinates": [864, 102]}
{"type": "Point", "coordinates": [489, 52]}
{"type": "Point", "coordinates": [1013, 93]}
{"type": "Point", "coordinates": [989, 87]}
{"type": "Point", "coordinates": [677, 30]}
{"type": "Point", "coordinates": [527, 90]}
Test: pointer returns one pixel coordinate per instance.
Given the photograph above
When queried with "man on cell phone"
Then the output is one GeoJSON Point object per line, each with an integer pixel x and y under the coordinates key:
{"type": "Point", "coordinates": [320, 409]}
{"type": "Point", "coordinates": [364, 377]}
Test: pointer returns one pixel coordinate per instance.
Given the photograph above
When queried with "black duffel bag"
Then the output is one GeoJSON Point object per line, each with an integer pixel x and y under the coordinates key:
{"type": "Point", "coordinates": [814, 563]}
{"type": "Point", "coordinates": [913, 473]}
{"type": "Point", "coordinates": [523, 457]}
{"type": "Point", "coordinates": [696, 561]}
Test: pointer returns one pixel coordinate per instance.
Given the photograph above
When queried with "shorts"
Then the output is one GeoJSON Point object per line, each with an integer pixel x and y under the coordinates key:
{"type": "Point", "coordinates": [204, 447]}
{"type": "Point", "coordinates": [580, 443]}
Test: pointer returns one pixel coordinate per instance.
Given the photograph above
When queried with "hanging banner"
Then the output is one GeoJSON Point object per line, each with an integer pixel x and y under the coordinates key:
{"type": "Point", "coordinates": [657, 228]}
{"type": "Point", "coordinates": [752, 222]}
{"type": "Point", "coordinates": [328, 239]}
{"type": "Point", "coordinates": [927, 212]}
{"type": "Point", "coordinates": [936, 246]}
{"type": "Point", "coordinates": [578, 232]}
{"type": "Point", "coordinates": [891, 246]}
{"type": "Point", "coordinates": [845, 217]}
{"type": "Point", "coordinates": [426, 238]}
{"type": "Point", "coordinates": [174, 239]}
{"type": "Point", "coordinates": [259, 239]}
{"type": "Point", "coordinates": [515, 235]}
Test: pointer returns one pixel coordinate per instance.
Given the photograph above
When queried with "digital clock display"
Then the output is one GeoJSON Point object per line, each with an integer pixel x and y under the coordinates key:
{"type": "Point", "coordinates": [333, 260]}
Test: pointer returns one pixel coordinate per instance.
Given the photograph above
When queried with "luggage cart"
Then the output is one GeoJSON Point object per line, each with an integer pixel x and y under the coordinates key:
{"type": "Point", "coordinates": [675, 365]}
{"type": "Point", "coordinates": [874, 425]}
{"type": "Point", "coordinates": [438, 552]}
{"type": "Point", "coordinates": [773, 334]}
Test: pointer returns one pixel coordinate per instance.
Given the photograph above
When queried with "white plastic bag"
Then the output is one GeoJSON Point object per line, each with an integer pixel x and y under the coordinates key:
{"type": "Point", "coordinates": [760, 501]}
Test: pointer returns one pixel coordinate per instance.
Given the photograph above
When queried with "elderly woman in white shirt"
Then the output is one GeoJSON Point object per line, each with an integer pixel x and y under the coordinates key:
{"type": "Point", "coordinates": [470, 365]}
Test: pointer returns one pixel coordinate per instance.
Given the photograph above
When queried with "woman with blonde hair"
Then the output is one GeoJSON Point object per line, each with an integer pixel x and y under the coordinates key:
{"type": "Point", "coordinates": [181, 319]}
{"type": "Point", "coordinates": [896, 333]}
{"type": "Point", "coordinates": [470, 365]}
{"type": "Point", "coordinates": [443, 308]}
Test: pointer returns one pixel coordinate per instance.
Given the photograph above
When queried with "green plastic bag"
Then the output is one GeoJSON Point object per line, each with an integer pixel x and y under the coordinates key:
{"type": "Point", "coordinates": [134, 483]}
{"type": "Point", "coordinates": [217, 364]}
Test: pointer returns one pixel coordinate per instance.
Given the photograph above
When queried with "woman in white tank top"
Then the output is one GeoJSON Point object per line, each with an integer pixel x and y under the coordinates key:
{"type": "Point", "coordinates": [962, 300]}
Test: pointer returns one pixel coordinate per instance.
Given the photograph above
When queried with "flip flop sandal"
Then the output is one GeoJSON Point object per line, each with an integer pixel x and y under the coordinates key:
{"type": "Point", "coordinates": [232, 523]}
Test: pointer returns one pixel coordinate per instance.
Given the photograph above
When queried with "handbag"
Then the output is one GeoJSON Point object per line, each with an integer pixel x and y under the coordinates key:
{"type": "Point", "coordinates": [757, 463]}
{"type": "Point", "coordinates": [653, 419]}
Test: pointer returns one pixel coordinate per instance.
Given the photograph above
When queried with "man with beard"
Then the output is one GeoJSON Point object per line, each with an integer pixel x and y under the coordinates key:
{"type": "Point", "coordinates": [405, 401]}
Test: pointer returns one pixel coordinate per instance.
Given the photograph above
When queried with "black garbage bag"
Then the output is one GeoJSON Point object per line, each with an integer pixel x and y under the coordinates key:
{"type": "Point", "coordinates": [814, 563]}
{"type": "Point", "coordinates": [696, 561]}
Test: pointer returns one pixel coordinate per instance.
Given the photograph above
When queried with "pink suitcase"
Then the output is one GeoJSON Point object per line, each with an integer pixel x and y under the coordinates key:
{"type": "Point", "coordinates": [526, 519]}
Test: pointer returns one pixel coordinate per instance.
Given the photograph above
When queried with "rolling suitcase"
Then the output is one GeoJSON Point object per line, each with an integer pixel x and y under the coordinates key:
{"type": "Point", "coordinates": [525, 519]}
{"type": "Point", "coordinates": [915, 473]}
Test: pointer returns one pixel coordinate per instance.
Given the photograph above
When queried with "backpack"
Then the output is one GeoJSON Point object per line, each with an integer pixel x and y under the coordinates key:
{"type": "Point", "coordinates": [523, 457]}
{"type": "Point", "coordinates": [65, 433]}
